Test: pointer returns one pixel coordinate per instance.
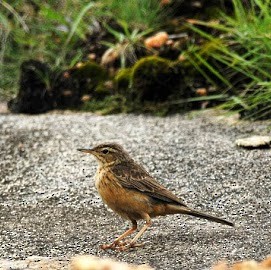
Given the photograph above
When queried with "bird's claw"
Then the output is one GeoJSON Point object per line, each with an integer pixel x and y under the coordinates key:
{"type": "Point", "coordinates": [122, 245]}
{"type": "Point", "coordinates": [115, 245]}
{"type": "Point", "coordinates": [130, 245]}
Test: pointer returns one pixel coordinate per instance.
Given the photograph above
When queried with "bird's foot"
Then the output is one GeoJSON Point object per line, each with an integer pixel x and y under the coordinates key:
{"type": "Point", "coordinates": [107, 246]}
{"type": "Point", "coordinates": [115, 245]}
{"type": "Point", "coordinates": [122, 245]}
{"type": "Point", "coordinates": [129, 245]}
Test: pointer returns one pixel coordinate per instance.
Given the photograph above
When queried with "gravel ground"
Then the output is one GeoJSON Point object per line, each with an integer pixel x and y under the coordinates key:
{"type": "Point", "coordinates": [49, 205]}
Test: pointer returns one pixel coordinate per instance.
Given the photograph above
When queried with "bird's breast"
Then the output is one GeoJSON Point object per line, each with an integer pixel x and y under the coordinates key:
{"type": "Point", "coordinates": [128, 203]}
{"type": "Point", "coordinates": [108, 187]}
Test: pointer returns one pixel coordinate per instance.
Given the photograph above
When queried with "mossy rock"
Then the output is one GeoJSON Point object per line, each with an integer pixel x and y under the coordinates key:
{"type": "Point", "coordinates": [103, 89]}
{"type": "Point", "coordinates": [90, 71]}
{"type": "Point", "coordinates": [155, 79]}
{"type": "Point", "coordinates": [122, 80]}
{"type": "Point", "coordinates": [78, 81]}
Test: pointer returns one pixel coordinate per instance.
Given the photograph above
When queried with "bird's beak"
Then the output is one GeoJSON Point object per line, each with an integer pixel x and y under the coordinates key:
{"type": "Point", "coordinates": [89, 151]}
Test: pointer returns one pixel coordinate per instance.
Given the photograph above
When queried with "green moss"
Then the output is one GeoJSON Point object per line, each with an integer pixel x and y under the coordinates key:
{"type": "Point", "coordinates": [90, 70]}
{"type": "Point", "coordinates": [155, 79]}
{"type": "Point", "coordinates": [88, 76]}
{"type": "Point", "coordinates": [149, 87]}
{"type": "Point", "coordinates": [103, 89]}
{"type": "Point", "coordinates": [109, 105]}
{"type": "Point", "coordinates": [122, 80]}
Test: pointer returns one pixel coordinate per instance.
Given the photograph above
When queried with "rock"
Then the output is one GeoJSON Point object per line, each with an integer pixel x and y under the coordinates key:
{"type": "Point", "coordinates": [35, 94]}
{"type": "Point", "coordinates": [244, 265]}
{"type": "Point", "coordinates": [49, 204]}
{"type": "Point", "coordinates": [122, 80]}
{"type": "Point", "coordinates": [156, 41]}
{"type": "Point", "coordinates": [155, 79]}
{"type": "Point", "coordinates": [73, 84]}
{"type": "Point", "coordinates": [42, 90]}
{"type": "Point", "coordinates": [254, 142]}
{"type": "Point", "coordinates": [35, 263]}
{"type": "Point", "coordinates": [83, 262]}
{"type": "Point", "coordinates": [87, 262]}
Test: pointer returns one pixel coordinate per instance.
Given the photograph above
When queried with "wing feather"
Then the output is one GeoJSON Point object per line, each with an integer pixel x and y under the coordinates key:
{"type": "Point", "coordinates": [134, 176]}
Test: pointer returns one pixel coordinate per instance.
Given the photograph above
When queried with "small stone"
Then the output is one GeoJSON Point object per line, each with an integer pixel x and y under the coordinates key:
{"type": "Point", "coordinates": [157, 41]}
{"type": "Point", "coordinates": [254, 142]}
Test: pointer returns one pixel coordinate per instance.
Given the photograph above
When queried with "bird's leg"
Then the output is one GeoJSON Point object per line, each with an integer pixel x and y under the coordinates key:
{"type": "Point", "coordinates": [139, 234]}
{"type": "Point", "coordinates": [117, 242]}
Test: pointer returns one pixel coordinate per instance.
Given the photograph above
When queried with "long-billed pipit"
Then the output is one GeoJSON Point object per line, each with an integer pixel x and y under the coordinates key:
{"type": "Point", "coordinates": [129, 190]}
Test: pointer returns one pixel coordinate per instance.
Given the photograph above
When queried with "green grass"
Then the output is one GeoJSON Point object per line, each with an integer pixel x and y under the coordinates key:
{"type": "Point", "coordinates": [139, 14]}
{"type": "Point", "coordinates": [238, 59]}
{"type": "Point", "coordinates": [126, 42]}
{"type": "Point", "coordinates": [51, 31]}
{"type": "Point", "coordinates": [48, 32]}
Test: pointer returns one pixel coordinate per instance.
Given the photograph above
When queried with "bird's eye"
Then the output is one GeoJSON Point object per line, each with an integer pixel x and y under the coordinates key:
{"type": "Point", "coordinates": [105, 151]}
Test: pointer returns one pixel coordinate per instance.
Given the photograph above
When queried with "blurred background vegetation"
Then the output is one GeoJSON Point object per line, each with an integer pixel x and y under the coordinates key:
{"type": "Point", "coordinates": [158, 56]}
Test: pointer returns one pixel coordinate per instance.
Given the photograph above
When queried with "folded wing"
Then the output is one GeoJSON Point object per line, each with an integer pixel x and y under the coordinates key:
{"type": "Point", "coordinates": [136, 177]}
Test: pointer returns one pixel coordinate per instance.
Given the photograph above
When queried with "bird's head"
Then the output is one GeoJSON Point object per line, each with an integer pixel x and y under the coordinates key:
{"type": "Point", "coordinates": [107, 153]}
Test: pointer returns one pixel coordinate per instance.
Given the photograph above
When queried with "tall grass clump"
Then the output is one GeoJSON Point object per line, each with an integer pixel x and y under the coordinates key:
{"type": "Point", "coordinates": [126, 42]}
{"type": "Point", "coordinates": [140, 14]}
{"type": "Point", "coordinates": [48, 31]}
{"type": "Point", "coordinates": [7, 24]}
{"type": "Point", "coordinates": [132, 20]}
{"type": "Point", "coordinates": [238, 59]}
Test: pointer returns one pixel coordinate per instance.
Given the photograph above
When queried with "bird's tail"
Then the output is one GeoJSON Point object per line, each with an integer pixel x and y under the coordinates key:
{"type": "Point", "coordinates": [191, 212]}
{"type": "Point", "coordinates": [209, 217]}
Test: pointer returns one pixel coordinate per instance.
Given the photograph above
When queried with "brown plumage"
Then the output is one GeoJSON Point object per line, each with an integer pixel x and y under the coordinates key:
{"type": "Point", "coordinates": [128, 189]}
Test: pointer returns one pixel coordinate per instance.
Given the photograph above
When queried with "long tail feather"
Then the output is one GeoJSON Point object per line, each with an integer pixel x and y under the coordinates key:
{"type": "Point", "coordinates": [209, 217]}
{"type": "Point", "coordinates": [174, 209]}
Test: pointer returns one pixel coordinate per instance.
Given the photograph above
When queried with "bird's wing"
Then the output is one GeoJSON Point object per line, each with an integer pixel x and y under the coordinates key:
{"type": "Point", "coordinates": [136, 177]}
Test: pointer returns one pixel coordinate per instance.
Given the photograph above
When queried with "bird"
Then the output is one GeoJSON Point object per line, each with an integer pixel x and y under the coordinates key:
{"type": "Point", "coordinates": [129, 190]}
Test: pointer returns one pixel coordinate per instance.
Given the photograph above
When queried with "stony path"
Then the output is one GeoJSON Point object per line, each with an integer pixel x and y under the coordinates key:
{"type": "Point", "coordinates": [49, 206]}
